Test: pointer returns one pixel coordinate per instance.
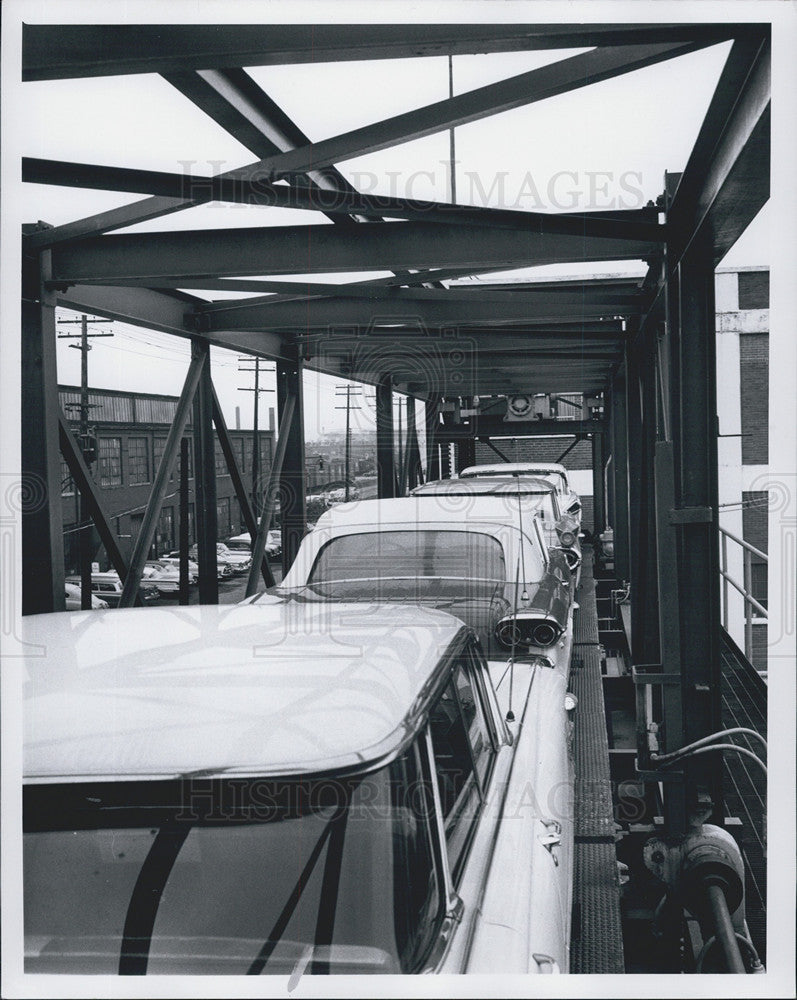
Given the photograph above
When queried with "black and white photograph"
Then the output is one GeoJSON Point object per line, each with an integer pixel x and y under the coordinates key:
{"type": "Point", "coordinates": [398, 498]}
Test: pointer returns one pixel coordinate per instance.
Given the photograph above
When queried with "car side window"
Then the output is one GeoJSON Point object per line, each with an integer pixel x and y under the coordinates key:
{"type": "Point", "coordinates": [463, 751]}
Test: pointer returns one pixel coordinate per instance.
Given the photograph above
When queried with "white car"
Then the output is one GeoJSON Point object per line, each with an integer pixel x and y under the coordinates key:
{"type": "Point", "coordinates": [536, 496]}
{"type": "Point", "coordinates": [569, 501]}
{"type": "Point", "coordinates": [291, 788]}
{"type": "Point", "coordinates": [164, 576]}
{"type": "Point", "coordinates": [74, 600]}
{"type": "Point", "coordinates": [243, 543]}
{"type": "Point", "coordinates": [477, 557]}
{"type": "Point", "coordinates": [173, 560]}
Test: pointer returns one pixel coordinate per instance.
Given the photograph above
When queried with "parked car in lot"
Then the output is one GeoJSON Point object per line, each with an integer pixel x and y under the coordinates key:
{"type": "Point", "coordinates": [293, 787]}
{"type": "Point", "coordinates": [108, 587]}
{"type": "Point", "coordinates": [570, 501]}
{"type": "Point", "coordinates": [165, 577]}
{"type": "Point", "coordinates": [243, 543]}
{"type": "Point", "coordinates": [485, 561]}
{"type": "Point", "coordinates": [173, 560]}
{"type": "Point", "coordinates": [74, 600]}
{"type": "Point", "coordinates": [224, 567]}
{"type": "Point", "coordinates": [532, 496]}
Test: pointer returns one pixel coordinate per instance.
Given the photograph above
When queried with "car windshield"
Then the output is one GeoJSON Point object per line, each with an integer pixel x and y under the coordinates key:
{"type": "Point", "coordinates": [231, 876]}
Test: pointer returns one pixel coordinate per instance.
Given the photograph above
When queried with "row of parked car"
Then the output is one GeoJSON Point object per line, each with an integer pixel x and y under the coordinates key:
{"type": "Point", "coordinates": [366, 769]}
{"type": "Point", "coordinates": [161, 577]}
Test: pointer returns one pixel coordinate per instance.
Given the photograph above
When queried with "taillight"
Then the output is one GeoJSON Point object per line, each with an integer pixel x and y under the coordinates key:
{"type": "Point", "coordinates": [544, 634]}
{"type": "Point", "coordinates": [508, 633]}
{"type": "Point", "coordinates": [573, 558]}
{"type": "Point", "coordinates": [527, 631]}
{"type": "Point", "coordinates": [567, 538]}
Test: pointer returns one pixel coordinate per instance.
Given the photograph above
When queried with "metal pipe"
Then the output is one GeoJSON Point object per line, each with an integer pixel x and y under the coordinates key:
{"type": "Point", "coordinates": [726, 935]}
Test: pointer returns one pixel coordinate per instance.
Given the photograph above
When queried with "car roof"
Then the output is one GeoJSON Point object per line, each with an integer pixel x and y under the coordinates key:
{"type": "Point", "coordinates": [486, 486]}
{"type": "Point", "coordinates": [513, 468]}
{"type": "Point", "coordinates": [276, 688]}
{"type": "Point", "coordinates": [482, 512]}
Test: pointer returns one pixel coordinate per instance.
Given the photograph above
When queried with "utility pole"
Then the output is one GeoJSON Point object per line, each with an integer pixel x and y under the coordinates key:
{"type": "Point", "coordinates": [348, 391]}
{"type": "Point", "coordinates": [255, 433]}
{"type": "Point", "coordinates": [87, 445]}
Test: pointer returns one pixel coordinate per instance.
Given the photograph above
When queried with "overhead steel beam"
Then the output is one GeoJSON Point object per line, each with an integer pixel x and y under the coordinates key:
{"type": "Point", "coordinates": [539, 84]}
{"type": "Point", "coordinates": [535, 85]}
{"type": "Point", "coordinates": [320, 314]}
{"type": "Point", "coordinates": [233, 100]}
{"type": "Point", "coordinates": [149, 522]}
{"type": "Point", "coordinates": [60, 51]}
{"type": "Point", "coordinates": [314, 249]}
{"type": "Point", "coordinates": [606, 299]}
{"type": "Point", "coordinates": [337, 199]}
{"type": "Point", "coordinates": [158, 310]}
{"type": "Point", "coordinates": [726, 181]}
{"type": "Point", "coordinates": [497, 427]}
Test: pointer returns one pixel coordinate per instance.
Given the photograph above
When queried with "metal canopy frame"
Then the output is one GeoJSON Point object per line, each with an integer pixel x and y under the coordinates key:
{"type": "Point", "coordinates": [646, 344]}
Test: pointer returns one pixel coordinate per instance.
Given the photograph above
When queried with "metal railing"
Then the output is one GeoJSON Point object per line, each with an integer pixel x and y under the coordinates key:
{"type": "Point", "coordinates": [745, 589]}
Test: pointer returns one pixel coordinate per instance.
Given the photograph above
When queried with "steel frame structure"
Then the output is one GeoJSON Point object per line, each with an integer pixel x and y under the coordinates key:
{"type": "Point", "coordinates": [647, 345]}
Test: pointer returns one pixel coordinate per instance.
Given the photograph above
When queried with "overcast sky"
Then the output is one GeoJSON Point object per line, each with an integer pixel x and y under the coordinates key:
{"type": "Point", "coordinates": [605, 146]}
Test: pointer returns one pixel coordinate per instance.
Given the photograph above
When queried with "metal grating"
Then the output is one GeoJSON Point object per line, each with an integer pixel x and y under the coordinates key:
{"type": "Point", "coordinates": [585, 618]}
{"type": "Point", "coordinates": [597, 945]}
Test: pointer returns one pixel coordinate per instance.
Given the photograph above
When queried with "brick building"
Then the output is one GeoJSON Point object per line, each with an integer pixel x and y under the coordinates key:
{"type": "Point", "coordinates": [130, 430]}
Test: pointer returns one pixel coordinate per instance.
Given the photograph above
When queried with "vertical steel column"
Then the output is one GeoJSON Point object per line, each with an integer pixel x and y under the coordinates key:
{"type": "Point", "coordinates": [598, 488]}
{"type": "Point", "coordinates": [619, 418]}
{"type": "Point", "coordinates": [414, 473]}
{"type": "Point", "coordinates": [432, 453]}
{"type": "Point", "coordinates": [385, 461]}
{"type": "Point", "coordinates": [641, 436]}
{"type": "Point", "coordinates": [292, 493]}
{"type": "Point", "coordinates": [40, 490]}
{"type": "Point", "coordinates": [466, 453]}
{"type": "Point", "coordinates": [694, 430]}
{"type": "Point", "coordinates": [205, 481]}
{"type": "Point", "coordinates": [184, 540]}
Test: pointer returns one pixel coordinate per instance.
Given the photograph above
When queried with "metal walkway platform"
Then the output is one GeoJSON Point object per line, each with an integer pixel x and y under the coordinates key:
{"type": "Point", "coordinates": [744, 703]}
{"type": "Point", "coordinates": [597, 944]}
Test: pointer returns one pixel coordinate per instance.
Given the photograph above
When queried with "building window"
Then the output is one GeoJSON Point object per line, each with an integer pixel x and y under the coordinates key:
{"type": "Point", "coordinates": [159, 446]}
{"type": "Point", "coordinates": [755, 514]}
{"type": "Point", "coordinates": [138, 460]}
{"type": "Point", "coordinates": [67, 482]}
{"type": "Point", "coordinates": [166, 530]}
{"type": "Point", "coordinates": [754, 289]}
{"type": "Point", "coordinates": [238, 451]}
{"type": "Point", "coordinates": [754, 380]}
{"type": "Point", "coordinates": [223, 518]}
{"type": "Point", "coordinates": [265, 455]}
{"type": "Point", "coordinates": [110, 455]}
{"type": "Point", "coordinates": [221, 462]}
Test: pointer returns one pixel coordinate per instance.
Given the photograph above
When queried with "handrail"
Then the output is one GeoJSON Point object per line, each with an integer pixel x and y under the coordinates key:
{"type": "Point", "coordinates": [745, 589]}
{"type": "Point", "coordinates": [744, 544]}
